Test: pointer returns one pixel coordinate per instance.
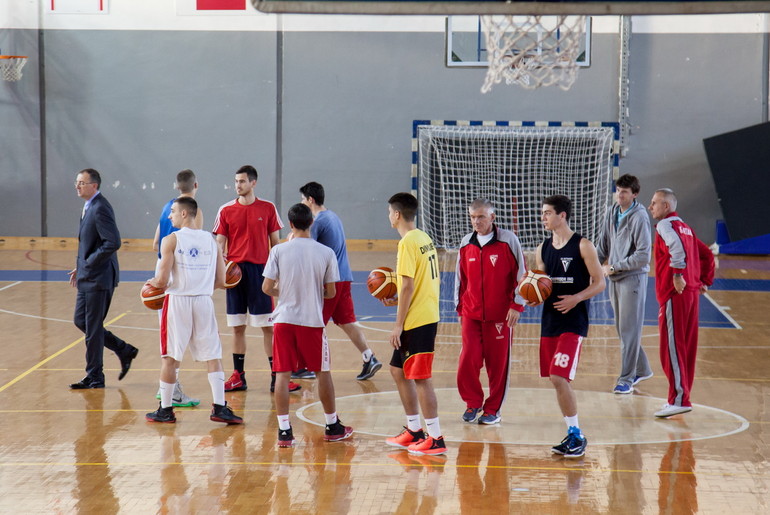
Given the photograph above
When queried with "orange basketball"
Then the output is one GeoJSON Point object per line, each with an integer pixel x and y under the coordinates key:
{"type": "Point", "coordinates": [152, 297]}
{"type": "Point", "coordinates": [382, 283]}
{"type": "Point", "coordinates": [535, 287]}
{"type": "Point", "coordinates": [232, 274]}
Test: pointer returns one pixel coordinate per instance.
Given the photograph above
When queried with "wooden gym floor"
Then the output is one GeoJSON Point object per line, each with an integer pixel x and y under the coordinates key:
{"type": "Point", "coordinates": [65, 451]}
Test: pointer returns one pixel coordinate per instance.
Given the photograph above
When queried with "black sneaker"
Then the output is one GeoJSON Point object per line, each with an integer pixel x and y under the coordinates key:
{"type": "Point", "coordinates": [285, 438]}
{"type": "Point", "coordinates": [224, 414]}
{"type": "Point", "coordinates": [165, 415]}
{"type": "Point", "coordinates": [337, 431]}
{"type": "Point", "coordinates": [303, 373]}
{"type": "Point", "coordinates": [370, 368]}
{"type": "Point", "coordinates": [573, 446]}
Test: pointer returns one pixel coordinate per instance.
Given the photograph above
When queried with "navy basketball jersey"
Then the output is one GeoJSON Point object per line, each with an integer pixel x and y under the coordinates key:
{"type": "Point", "coordinates": [569, 275]}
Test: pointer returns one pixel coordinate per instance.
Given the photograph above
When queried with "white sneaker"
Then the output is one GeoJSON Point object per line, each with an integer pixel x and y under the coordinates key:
{"type": "Point", "coordinates": [181, 399]}
{"type": "Point", "coordinates": [669, 410]}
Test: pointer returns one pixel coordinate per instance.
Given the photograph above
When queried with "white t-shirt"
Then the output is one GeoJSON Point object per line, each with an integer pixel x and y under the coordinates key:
{"type": "Point", "coordinates": [301, 267]}
{"type": "Point", "coordinates": [195, 264]}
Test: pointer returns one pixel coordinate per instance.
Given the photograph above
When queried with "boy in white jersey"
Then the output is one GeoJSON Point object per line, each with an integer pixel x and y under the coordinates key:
{"type": "Point", "coordinates": [301, 273]}
{"type": "Point", "coordinates": [191, 266]}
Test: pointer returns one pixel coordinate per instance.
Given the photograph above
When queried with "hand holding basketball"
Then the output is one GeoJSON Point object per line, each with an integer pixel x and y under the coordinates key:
{"type": "Point", "coordinates": [232, 274]}
{"type": "Point", "coordinates": [381, 283]}
{"type": "Point", "coordinates": [535, 287]}
{"type": "Point", "coordinates": [152, 297]}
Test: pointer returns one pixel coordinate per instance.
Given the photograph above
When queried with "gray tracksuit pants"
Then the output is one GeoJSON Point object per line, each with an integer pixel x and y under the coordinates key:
{"type": "Point", "coordinates": [627, 296]}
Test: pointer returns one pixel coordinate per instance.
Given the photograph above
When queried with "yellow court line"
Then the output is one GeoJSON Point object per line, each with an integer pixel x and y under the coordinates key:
{"type": "Point", "coordinates": [52, 356]}
{"type": "Point", "coordinates": [446, 466]}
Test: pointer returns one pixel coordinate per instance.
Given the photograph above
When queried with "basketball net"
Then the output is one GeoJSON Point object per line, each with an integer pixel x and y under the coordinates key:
{"type": "Point", "coordinates": [532, 50]}
{"type": "Point", "coordinates": [10, 67]}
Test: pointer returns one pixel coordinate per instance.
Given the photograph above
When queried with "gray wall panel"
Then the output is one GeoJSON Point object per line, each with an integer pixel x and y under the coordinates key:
{"type": "Point", "coordinates": [141, 105]}
{"type": "Point", "coordinates": [20, 197]}
{"type": "Point", "coordinates": [685, 88]}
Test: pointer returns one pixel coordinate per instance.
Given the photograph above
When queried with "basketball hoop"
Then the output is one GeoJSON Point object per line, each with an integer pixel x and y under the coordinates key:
{"type": "Point", "coordinates": [11, 65]}
{"type": "Point", "coordinates": [533, 50]}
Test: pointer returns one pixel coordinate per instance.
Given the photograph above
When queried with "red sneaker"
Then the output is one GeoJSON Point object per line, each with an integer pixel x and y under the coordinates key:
{"type": "Point", "coordinates": [236, 383]}
{"type": "Point", "coordinates": [406, 438]}
{"type": "Point", "coordinates": [429, 446]}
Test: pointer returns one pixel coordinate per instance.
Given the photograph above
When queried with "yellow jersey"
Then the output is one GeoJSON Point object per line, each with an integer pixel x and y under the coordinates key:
{"type": "Point", "coordinates": [418, 259]}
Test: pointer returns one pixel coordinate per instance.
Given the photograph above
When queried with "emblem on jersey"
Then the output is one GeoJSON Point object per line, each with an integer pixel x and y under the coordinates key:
{"type": "Point", "coordinates": [565, 262]}
{"type": "Point", "coordinates": [493, 259]}
{"type": "Point", "coordinates": [499, 328]}
{"type": "Point", "coordinates": [193, 252]}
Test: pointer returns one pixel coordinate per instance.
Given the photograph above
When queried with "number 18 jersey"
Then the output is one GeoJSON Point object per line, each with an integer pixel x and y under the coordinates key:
{"type": "Point", "coordinates": [418, 259]}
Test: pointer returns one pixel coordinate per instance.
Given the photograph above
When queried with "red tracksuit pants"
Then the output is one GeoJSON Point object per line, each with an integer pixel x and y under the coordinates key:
{"type": "Point", "coordinates": [485, 344]}
{"type": "Point", "coordinates": [678, 329]}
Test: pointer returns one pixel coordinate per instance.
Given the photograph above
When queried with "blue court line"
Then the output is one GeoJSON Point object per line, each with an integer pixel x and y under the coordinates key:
{"type": "Point", "coordinates": [370, 309]}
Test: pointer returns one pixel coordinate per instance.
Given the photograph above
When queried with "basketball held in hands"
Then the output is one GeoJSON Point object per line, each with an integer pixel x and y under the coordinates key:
{"type": "Point", "coordinates": [152, 297]}
{"type": "Point", "coordinates": [232, 274]}
{"type": "Point", "coordinates": [382, 283]}
{"type": "Point", "coordinates": [535, 286]}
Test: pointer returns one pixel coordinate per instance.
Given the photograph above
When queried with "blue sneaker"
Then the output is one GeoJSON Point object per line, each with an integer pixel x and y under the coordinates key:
{"type": "Point", "coordinates": [623, 388]}
{"type": "Point", "coordinates": [639, 379]}
{"type": "Point", "coordinates": [471, 414]}
{"type": "Point", "coordinates": [489, 418]}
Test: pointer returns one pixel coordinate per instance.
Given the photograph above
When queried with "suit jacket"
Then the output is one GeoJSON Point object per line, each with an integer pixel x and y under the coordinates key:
{"type": "Point", "coordinates": [98, 243]}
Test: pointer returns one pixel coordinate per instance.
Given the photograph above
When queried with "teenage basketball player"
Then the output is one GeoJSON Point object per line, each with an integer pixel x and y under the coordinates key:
{"type": "Point", "coordinates": [301, 273]}
{"type": "Point", "coordinates": [573, 264]}
{"type": "Point", "coordinates": [191, 266]}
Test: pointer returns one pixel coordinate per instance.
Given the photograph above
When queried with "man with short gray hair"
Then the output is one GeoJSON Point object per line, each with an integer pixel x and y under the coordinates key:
{"type": "Point", "coordinates": [490, 265]}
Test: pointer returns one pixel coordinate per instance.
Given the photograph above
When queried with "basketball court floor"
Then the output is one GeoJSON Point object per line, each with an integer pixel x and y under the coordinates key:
{"type": "Point", "coordinates": [65, 451]}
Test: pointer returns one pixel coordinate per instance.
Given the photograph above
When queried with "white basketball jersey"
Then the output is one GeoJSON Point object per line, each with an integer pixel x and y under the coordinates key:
{"type": "Point", "coordinates": [195, 263]}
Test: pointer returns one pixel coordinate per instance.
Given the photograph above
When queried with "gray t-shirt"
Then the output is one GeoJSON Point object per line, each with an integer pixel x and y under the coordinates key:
{"type": "Point", "coordinates": [301, 267]}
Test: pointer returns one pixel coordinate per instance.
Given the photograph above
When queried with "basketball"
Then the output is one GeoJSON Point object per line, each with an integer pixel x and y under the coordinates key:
{"type": "Point", "coordinates": [382, 283]}
{"type": "Point", "coordinates": [535, 287]}
{"type": "Point", "coordinates": [152, 297]}
{"type": "Point", "coordinates": [232, 274]}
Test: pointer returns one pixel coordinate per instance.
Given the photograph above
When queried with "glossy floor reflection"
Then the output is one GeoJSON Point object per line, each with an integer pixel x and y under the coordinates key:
{"type": "Point", "coordinates": [93, 452]}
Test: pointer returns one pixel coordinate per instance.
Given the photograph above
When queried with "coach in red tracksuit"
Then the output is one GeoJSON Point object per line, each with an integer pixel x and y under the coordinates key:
{"type": "Point", "coordinates": [489, 267]}
{"type": "Point", "coordinates": [684, 268]}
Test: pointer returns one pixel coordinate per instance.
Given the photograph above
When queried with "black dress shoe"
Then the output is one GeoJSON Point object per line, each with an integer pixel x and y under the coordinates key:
{"type": "Point", "coordinates": [125, 362]}
{"type": "Point", "coordinates": [87, 383]}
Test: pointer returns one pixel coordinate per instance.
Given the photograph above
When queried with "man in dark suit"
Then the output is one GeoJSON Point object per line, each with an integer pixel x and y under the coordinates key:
{"type": "Point", "coordinates": [96, 276]}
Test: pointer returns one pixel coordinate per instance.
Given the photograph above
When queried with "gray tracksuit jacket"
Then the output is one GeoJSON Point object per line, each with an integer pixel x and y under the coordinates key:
{"type": "Point", "coordinates": [629, 246]}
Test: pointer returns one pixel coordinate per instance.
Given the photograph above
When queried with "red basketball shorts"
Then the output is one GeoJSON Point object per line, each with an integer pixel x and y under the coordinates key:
{"type": "Point", "coordinates": [559, 355]}
{"type": "Point", "coordinates": [340, 307]}
{"type": "Point", "coordinates": [299, 346]}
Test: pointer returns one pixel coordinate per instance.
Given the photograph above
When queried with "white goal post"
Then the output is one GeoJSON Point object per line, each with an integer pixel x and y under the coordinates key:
{"type": "Point", "coordinates": [515, 165]}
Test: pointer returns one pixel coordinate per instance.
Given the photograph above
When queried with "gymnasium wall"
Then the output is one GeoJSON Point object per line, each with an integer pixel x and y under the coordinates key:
{"type": "Point", "coordinates": [144, 91]}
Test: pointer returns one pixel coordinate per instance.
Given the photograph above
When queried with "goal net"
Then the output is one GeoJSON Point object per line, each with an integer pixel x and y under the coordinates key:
{"type": "Point", "coordinates": [515, 167]}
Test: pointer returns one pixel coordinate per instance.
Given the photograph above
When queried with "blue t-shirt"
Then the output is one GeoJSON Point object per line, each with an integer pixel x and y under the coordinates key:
{"type": "Point", "coordinates": [327, 229]}
{"type": "Point", "coordinates": [165, 224]}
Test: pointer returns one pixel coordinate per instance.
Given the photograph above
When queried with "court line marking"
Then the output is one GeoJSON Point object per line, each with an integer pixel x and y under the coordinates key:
{"type": "Point", "coordinates": [447, 465]}
{"type": "Point", "coordinates": [722, 311]}
{"type": "Point", "coordinates": [11, 285]}
{"type": "Point", "coordinates": [52, 356]}
{"type": "Point", "coordinates": [744, 424]}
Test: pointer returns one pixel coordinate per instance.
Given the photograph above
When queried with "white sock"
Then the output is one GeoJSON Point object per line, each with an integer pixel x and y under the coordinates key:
{"type": "Point", "coordinates": [572, 421]}
{"type": "Point", "coordinates": [283, 422]}
{"type": "Point", "coordinates": [367, 355]}
{"type": "Point", "coordinates": [176, 370]}
{"type": "Point", "coordinates": [166, 394]}
{"type": "Point", "coordinates": [331, 418]}
{"type": "Point", "coordinates": [433, 427]}
{"type": "Point", "coordinates": [217, 382]}
{"type": "Point", "coordinates": [413, 422]}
